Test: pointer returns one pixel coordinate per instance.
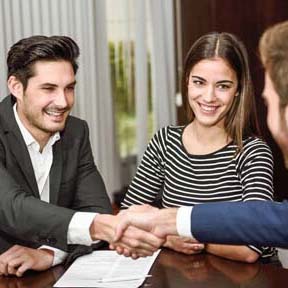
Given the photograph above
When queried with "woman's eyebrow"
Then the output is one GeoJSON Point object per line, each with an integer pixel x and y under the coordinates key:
{"type": "Point", "coordinates": [198, 77]}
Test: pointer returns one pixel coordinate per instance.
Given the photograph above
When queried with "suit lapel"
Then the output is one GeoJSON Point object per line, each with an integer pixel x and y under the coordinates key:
{"type": "Point", "coordinates": [17, 144]}
{"type": "Point", "coordinates": [56, 172]}
{"type": "Point", "coordinates": [23, 158]}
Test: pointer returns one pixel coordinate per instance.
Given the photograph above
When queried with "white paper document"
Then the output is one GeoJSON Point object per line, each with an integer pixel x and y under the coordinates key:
{"type": "Point", "coordinates": [107, 269]}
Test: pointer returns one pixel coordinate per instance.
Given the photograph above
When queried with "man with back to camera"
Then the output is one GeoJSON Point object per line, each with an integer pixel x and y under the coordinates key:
{"type": "Point", "coordinates": [50, 189]}
{"type": "Point", "coordinates": [255, 222]}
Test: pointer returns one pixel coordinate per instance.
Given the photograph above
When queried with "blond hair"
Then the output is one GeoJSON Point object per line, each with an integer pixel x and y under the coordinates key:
{"type": "Point", "coordinates": [273, 47]}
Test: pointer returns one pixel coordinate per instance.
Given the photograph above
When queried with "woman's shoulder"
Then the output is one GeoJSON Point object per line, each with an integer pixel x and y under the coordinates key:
{"type": "Point", "coordinates": [255, 147]}
{"type": "Point", "coordinates": [169, 130]}
{"type": "Point", "coordinates": [254, 142]}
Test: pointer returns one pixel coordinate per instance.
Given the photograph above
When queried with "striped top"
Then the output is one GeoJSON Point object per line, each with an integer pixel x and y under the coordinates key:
{"type": "Point", "coordinates": [186, 180]}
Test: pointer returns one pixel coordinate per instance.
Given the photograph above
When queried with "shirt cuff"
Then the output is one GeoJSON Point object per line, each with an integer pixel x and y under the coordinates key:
{"type": "Point", "coordinates": [183, 221]}
{"type": "Point", "coordinates": [59, 255]}
{"type": "Point", "coordinates": [79, 228]}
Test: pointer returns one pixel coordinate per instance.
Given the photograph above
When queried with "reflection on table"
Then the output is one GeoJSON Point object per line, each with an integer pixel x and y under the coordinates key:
{"type": "Point", "coordinates": [173, 269]}
{"type": "Point", "coordinates": [176, 270]}
{"type": "Point", "coordinates": [33, 279]}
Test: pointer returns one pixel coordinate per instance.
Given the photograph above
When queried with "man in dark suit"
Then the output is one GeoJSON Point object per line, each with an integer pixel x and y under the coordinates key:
{"type": "Point", "coordinates": [51, 192]}
{"type": "Point", "coordinates": [258, 223]}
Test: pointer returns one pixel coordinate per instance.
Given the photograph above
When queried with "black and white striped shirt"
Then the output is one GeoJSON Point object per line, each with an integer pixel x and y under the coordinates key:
{"type": "Point", "coordinates": [186, 180]}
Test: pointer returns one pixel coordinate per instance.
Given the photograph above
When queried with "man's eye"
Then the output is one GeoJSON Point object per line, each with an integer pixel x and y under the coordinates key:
{"type": "Point", "coordinates": [72, 88]}
{"type": "Point", "coordinates": [48, 88]}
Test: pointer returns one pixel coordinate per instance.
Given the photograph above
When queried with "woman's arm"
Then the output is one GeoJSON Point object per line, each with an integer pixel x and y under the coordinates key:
{"type": "Point", "coordinates": [233, 252]}
{"type": "Point", "coordinates": [255, 170]}
{"type": "Point", "coordinates": [148, 181]}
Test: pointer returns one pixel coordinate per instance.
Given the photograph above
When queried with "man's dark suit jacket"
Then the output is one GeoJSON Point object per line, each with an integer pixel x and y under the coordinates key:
{"type": "Point", "coordinates": [75, 185]}
{"type": "Point", "coordinates": [252, 222]}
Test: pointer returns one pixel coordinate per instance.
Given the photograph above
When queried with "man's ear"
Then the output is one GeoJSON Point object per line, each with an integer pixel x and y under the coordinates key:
{"type": "Point", "coordinates": [284, 146]}
{"type": "Point", "coordinates": [286, 115]}
{"type": "Point", "coordinates": [15, 87]}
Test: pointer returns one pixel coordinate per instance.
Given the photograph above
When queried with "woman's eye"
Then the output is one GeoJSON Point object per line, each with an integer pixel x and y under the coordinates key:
{"type": "Point", "coordinates": [223, 86]}
{"type": "Point", "coordinates": [197, 82]}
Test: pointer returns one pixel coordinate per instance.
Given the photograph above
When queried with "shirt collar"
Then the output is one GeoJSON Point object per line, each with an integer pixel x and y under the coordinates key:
{"type": "Point", "coordinates": [28, 138]}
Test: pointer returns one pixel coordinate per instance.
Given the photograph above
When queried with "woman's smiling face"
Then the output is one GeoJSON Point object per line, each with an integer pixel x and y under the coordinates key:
{"type": "Point", "coordinates": [212, 86]}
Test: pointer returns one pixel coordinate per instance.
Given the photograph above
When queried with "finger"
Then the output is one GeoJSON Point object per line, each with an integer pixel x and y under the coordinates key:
{"type": "Point", "coordinates": [198, 246]}
{"type": "Point", "coordinates": [135, 244]}
{"type": "Point", "coordinates": [12, 269]}
{"type": "Point", "coordinates": [14, 264]}
{"type": "Point", "coordinates": [191, 252]}
{"type": "Point", "coordinates": [5, 269]}
{"type": "Point", "coordinates": [139, 252]}
{"type": "Point", "coordinates": [12, 253]}
{"type": "Point", "coordinates": [119, 250]}
{"type": "Point", "coordinates": [144, 239]}
{"type": "Point", "coordinates": [135, 254]}
{"type": "Point", "coordinates": [190, 240]}
{"type": "Point", "coordinates": [2, 268]}
{"type": "Point", "coordinates": [123, 249]}
{"type": "Point", "coordinates": [127, 252]}
{"type": "Point", "coordinates": [23, 268]}
{"type": "Point", "coordinates": [112, 246]}
{"type": "Point", "coordinates": [120, 229]}
{"type": "Point", "coordinates": [192, 247]}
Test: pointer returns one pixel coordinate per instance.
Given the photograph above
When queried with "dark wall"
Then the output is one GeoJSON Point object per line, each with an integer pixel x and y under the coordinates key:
{"type": "Point", "coordinates": [247, 19]}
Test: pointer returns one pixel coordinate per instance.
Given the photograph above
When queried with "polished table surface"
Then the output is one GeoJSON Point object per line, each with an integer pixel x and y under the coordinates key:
{"type": "Point", "coordinates": [172, 269]}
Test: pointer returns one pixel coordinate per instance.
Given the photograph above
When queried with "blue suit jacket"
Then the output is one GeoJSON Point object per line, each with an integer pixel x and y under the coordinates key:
{"type": "Point", "coordinates": [253, 222]}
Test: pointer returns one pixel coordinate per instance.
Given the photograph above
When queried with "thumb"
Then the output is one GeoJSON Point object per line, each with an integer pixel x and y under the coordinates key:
{"type": "Point", "coordinates": [120, 229]}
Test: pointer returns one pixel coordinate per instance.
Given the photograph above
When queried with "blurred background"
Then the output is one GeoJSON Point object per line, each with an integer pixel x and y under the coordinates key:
{"type": "Point", "coordinates": [132, 52]}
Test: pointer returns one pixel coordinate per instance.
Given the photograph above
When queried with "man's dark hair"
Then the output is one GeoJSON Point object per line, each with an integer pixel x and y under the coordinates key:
{"type": "Point", "coordinates": [23, 54]}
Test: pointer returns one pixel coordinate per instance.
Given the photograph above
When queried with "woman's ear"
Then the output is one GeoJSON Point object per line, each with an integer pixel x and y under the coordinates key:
{"type": "Point", "coordinates": [15, 87]}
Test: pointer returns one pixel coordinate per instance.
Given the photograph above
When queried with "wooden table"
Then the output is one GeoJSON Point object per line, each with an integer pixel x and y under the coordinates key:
{"type": "Point", "coordinates": [174, 270]}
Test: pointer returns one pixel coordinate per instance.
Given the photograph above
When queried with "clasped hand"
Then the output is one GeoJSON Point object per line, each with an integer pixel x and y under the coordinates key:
{"type": "Point", "coordinates": [133, 241]}
{"type": "Point", "coordinates": [18, 259]}
{"type": "Point", "coordinates": [151, 221]}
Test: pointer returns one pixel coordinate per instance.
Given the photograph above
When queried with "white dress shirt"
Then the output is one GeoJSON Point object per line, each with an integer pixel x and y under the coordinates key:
{"type": "Point", "coordinates": [183, 221]}
{"type": "Point", "coordinates": [78, 230]}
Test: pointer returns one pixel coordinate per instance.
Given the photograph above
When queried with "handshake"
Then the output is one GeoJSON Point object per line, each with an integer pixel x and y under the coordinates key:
{"type": "Point", "coordinates": [136, 232]}
{"type": "Point", "coordinates": [141, 230]}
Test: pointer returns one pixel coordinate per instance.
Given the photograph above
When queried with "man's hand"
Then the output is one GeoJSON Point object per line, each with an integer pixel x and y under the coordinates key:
{"type": "Point", "coordinates": [136, 243]}
{"type": "Point", "coordinates": [183, 244]}
{"type": "Point", "coordinates": [18, 259]}
{"type": "Point", "coordinates": [159, 222]}
{"type": "Point", "coordinates": [133, 241]}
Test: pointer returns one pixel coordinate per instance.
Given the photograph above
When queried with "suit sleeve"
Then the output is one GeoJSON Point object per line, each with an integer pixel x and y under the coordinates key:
{"type": "Point", "coordinates": [252, 222]}
{"type": "Point", "coordinates": [25, 217]}
{"type": "Point", "coordinates": [90, 194]}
